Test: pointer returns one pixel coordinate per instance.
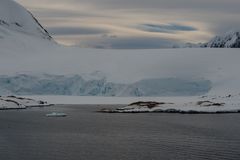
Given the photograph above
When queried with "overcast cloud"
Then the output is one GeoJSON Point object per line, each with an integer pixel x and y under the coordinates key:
{"type": "Point", "coordinates": [135, 23]}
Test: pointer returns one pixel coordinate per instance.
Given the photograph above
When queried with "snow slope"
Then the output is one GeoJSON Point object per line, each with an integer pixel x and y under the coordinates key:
{"type": "Point", "coordinates": [5, 105]}
{"type": "Point", "coordinates": [13, 102]}
{"type": "Point", "coordinates": [16, 18]}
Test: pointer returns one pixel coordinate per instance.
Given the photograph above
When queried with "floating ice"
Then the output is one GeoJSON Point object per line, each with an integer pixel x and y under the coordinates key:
{"type": "Point", "coordinates": [55, 114]}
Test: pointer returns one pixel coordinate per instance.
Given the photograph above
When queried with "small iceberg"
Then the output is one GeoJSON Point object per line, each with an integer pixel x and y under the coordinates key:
{"type": "Point", "coordinates": [55, 114]}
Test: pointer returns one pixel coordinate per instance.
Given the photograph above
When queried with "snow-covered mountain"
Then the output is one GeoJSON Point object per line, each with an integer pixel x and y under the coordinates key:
{"type": "Point", "coordinates": [230, 39]}
{"type": "Point", "coordinates": [15, 18]}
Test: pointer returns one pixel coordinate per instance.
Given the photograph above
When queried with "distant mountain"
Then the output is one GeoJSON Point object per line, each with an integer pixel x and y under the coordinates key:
{"type": "Point", "coordinates": [191, 45]}
{"type": "Point", "coordinates": [229, 40]}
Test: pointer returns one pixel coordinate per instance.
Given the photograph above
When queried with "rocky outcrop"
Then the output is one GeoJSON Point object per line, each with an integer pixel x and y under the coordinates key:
{"type": "Point", "coordinates": [229, 40]}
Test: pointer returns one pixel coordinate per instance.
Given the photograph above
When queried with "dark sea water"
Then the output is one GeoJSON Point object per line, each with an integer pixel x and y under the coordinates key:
{"type": "Point", "coordinates": [88, 135]}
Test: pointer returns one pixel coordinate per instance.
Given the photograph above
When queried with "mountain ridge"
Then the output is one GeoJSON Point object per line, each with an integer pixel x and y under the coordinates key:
{"type": "Point", "coordinates": [230, 39]}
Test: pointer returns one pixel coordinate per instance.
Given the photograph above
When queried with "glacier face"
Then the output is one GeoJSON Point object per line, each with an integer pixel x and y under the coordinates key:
{"type": "Point", "coordinates": [168, 87]}
{"type": "Point", "coordinates": [77, 85]}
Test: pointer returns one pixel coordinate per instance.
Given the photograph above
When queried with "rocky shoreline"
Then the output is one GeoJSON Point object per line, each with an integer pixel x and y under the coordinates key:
{"type": "Point", "coordinates": [19, 103]}
{"type": "Point", "coordinates": [199, 107]}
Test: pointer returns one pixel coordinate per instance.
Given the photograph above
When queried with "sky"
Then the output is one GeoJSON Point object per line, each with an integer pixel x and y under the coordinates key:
{"type": "Point", "coordinates": [134, 24]}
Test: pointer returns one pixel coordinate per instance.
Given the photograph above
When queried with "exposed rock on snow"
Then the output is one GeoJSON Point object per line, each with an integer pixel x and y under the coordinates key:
{"type": "Point", "coordinates": [149, 104]}
{"type": "Point", "coordinates": [13, 102]}
{"type": "Point", "coordinates": [9, 104]}
{"type": "Point", "coordinates": [219, 105]}
{"type": "Point", "coordinates": [14, 17]}
{"type": "Point", "coordinates": [209, 104]}
{"type": "Point", "coordinates": [229, 40]}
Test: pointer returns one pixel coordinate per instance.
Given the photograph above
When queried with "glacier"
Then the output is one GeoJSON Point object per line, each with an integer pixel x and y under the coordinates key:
{"type": "Point", "coordinates": [76, 85]}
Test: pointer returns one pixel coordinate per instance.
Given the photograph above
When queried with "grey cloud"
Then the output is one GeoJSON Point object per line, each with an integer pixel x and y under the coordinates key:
{"type": "Point", "coordinates": [62, 13]}
{"type": "Point", "coordinates": [210, 5]}
{"type": "Point", "coordinates": [229, 6]}
{"type": "Point", "coordinates": [166, 28]}
{"type": "Point", "coordinates": [141, 43]}
{"type": "Point", "coordinates": [131, 43]}
{"type": "Point", "coordinates": [75, 31]}
{"type": "Point", "coordinates": [109, 36]}
{"type": "Point", "coordinates": [213, 16]}
{"type": "Point", "coordinates": [220, 26]}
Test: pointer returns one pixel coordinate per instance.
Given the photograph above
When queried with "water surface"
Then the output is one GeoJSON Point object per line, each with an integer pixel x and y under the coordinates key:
{"type": "Point", "coordinates": [89, 135]}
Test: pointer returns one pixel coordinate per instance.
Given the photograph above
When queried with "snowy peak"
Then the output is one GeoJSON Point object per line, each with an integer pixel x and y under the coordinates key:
{"type": "Point", "coordinates": [14, 17]}
{"type": "Point", "coordinates": [229, 40]}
